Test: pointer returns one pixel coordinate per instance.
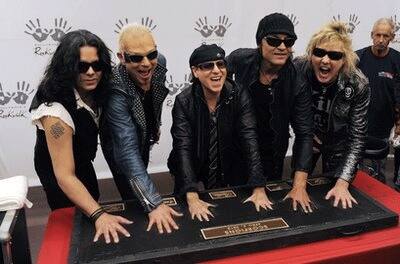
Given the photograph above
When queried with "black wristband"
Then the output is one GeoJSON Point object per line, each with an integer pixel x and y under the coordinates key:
{"type": "Point", "coordinates": [96, 214]}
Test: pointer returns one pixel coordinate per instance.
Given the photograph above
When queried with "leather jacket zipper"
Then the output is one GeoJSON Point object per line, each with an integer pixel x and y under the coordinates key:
{"type": "Point", "coordinates": [140, 192]}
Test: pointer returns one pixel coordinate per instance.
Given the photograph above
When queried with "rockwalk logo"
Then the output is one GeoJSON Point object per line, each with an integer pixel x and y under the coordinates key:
{"type": "Point", "coordinates": [46, 38]}
{"type": "Point", "coordinates": [14, 103]}
{"type": "Point", "coordinates": [351, 23]}
{"type": "Point", "coordinates": [145, 21]}
{"type": "Point", "coordinates": [293, 18]}
{"type": "Point", "coordinates": [213, 33]}
{"type": "Point", "coordinates": [176, 88]}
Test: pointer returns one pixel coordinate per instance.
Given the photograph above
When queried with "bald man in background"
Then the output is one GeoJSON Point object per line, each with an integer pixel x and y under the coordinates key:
{"type": "Point", "coordinates": [130, 122]}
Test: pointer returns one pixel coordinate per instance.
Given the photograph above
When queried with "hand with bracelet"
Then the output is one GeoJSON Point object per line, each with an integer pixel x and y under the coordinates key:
{"type": "Point", "coordinates": [108, 224]}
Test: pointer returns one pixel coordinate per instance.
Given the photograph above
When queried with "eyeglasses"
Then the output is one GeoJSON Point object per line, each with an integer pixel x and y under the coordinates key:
{"type": "Point", "coordinates": [276, 42]}
{"type": "Point", "coordinates": [333, 55]}
{"type": "Point", "coordinates": [209, 65]}
{"type": "Point", "coordinates": [138, 58]}
{"type": "Point", "coordinates": [84, 66]}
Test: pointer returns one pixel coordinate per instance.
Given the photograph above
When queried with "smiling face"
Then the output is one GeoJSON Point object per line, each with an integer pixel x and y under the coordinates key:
{"type": "Point", "coordinates": [88, 80]}
{"type": "Point", "coordinates": [327, 70]}
{"type": "Point", "coordinates": [212, 79]}
{"type": "Point", "coordinates": [141, 72]}
{"type": "Point", "coordinates": [275, 56]}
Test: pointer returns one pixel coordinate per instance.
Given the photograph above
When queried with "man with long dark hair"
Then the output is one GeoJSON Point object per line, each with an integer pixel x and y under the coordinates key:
{"type": "Point", "coordinates": [66, 111]}
{"type": "Point", "coordinates": [131, 123]}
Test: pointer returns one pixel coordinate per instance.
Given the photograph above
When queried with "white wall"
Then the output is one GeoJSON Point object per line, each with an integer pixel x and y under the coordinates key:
{"type": "Point", "coordinates": [24, 57]}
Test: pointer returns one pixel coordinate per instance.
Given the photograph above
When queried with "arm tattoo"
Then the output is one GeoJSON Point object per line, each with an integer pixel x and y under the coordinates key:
{"type": "Point", "coordinates": [57, 130]}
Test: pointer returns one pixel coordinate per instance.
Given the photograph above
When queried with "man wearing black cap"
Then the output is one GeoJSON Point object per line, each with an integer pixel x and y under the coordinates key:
{"type": "Point", "coordinates": [214, 135]}
{"type": "Point", "coordinates": [270, 77]}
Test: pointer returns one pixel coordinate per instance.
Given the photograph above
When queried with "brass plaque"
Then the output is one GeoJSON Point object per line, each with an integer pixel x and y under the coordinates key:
{"type": "Point", "coordinates": [278, 186]}
{"type": "Point", "coordinates": [170, 201]}
{"type": "Point", "coordinates": [243, 228]}
{"type": "Point", "coordinates": [318, 181]}
{"type": "Point", "coordinates": [116, 207]}
{"type": "Point", "coordinates": [222, 194]}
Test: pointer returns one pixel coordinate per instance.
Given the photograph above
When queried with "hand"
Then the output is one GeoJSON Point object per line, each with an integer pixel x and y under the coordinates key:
{"type": "Point", "coordinates": [198, 207]}
{"type": "Point", "coordinates": [298, 194]}
{"type": "Point", "coordinates": [162, 217]}
{"type": "Point", "coordinates": [60, 29]}
{"type": "Point", "coordinates": [5, 97]}
{"type": "Point", "coordinates": [222, 26]}
{"type": "Point", "coordinates": [108, 224]}
{"type": "Point", "coordinates": [260, 199]}
{"type": "Point", "coordinates": [36, 31]}
{"type": "Point", "coordinates": [341, 194]}
{"type": "Point", "coordinates": [23, 93]}
{"type": "Point", "coordinates": [203, 27]}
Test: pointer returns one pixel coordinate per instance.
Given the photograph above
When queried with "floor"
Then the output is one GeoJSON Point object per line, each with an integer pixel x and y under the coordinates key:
{"type": "Point", "coordinates": [37, 215]}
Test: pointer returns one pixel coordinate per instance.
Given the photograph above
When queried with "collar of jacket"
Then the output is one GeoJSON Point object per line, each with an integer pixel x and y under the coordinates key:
{"type": "Point", "coordinates": [123, 83]}
{"type": "Point", "coordinates": [227, 93]}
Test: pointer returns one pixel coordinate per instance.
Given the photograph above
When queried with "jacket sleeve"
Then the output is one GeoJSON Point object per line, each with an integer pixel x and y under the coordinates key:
{"type": "Point", "coordinates": [247, 126]}
{"type": "Point", "coordinates": [126, 152]}
{"type": "Point", "coordinates": [357, 133]}
{"type": "Point", "coordinates": [303, 126]}
{"type": "Point", "coordinates": [183, 149]}
{"type": "Point", "coordinates": [231, 64]}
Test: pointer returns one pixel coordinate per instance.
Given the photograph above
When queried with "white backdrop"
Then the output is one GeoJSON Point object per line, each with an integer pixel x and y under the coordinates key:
{"type": "Point", "coordinates": [30, 30]}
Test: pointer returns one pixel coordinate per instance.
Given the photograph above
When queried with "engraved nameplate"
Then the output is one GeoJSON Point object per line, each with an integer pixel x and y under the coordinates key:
{"type": "Point", "coordinates": [243, 228]}
{"type": "Point", "coordinates": [170, 201]}
{"type": "Point", "coordinates": [116, 207]}
{"type": "Point", "coordinates": [222, 194]}
{"type": "Point", "coordinates": [318, 181]}
{"type": "Point", "coordinates": [278, 186]}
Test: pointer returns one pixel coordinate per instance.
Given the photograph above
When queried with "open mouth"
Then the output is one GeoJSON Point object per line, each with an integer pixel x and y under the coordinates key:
{"type": "Point", "coordinates": [144, 73]}
{"type": "Point", "coordinates": [216, 79]}
{"type": "Point", "coordinates": [324, 70]}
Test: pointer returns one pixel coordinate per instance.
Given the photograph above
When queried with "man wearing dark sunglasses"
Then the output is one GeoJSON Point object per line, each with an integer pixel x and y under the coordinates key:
{"type": "Point", "coordinates": [340, 98]}
{"type": "Point", "coordinates": [214, 135]}
{"type": "Point", "coordinates": [131, 122]}
{"type": "Point", "coordinates": [381, 65]}
{"type": "Point", "coordinates": [268, 73]}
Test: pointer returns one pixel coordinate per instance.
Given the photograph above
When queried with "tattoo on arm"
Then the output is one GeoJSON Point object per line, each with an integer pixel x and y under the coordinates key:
{"type": "Point", "coordinates": [57, 130]}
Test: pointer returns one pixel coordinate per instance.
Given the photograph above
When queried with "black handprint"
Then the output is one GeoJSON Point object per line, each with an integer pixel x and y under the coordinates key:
{"type": "Point", "coordinates": [222, 26]}
{"type": "Point", "coordinates": [337, 19]}
{"type": "Point", "coordinates": [172, 87]}
{"type": "Point", "coordinates": [186, 84]}
{"type": "Point", "coordinates": [353, 22]}
{"type": "Point", "coordinates": [120, 25]}
{"type": "Point", "coordinates": [59, 29]}
{"type": "Point", "coordinates": [5, 97]}
{"type": "Point", "coordinates": [148, 22]}
{"type": "Point", "coordinates": [203, 27]}
{"type": "Point", "coordinates": [293, 18]}
{"type": "Point", "coordinates": [23, 93]}
{"type": "Point", "coordinates": [36, 31]}
{"type": "Point", "coordinates": [396, 23]}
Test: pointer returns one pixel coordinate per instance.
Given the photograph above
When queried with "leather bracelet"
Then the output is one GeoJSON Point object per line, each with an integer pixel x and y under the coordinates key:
{"type": "Point", "coordinates": [96, 214]}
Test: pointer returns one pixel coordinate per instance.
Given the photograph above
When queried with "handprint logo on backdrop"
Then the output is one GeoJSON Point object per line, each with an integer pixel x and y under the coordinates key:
{"type": "Point", "coordinates": [172, 86]}
{"type": "Point", "coordinates": [60, 29]}
{"type": "Point", "coordinates": [293, 18]}
{"type": "Point", "coordinates": [351, 24]}
{"type": "Point", "coordinates": [23, 92]}
{"type": "Point", "coordinates": [396, 23]}
{"type": "Point", "coordinates": [148, 22]}
{"type": "Point", "coordinates": [176, 87]}
{"type": "Point", "coordinates": [145, 21]}
{"type": "Point", "coordinates": [5, 97]}
{"type": "Point", "coordinates": [36, 31]}
{"type": "Point", "coordinates": [207, 30]}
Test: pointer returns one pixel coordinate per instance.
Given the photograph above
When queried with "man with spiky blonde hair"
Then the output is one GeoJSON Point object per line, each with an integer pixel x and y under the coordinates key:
{"type": "Point", "coordinates": [131, 122]}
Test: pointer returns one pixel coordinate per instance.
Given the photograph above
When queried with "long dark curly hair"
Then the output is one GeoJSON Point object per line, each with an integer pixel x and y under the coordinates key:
{"type": "Point", "coordinates": [62, 73]}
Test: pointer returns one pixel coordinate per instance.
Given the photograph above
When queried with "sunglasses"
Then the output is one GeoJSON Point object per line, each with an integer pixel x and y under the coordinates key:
{"type": "Point", "coordinates": [209, 66]}
{"type": "Point", "coordinates": [138, 58]}
{"type": "Point", "coordinates": [84, 66]}
{"type": "Point", "coordinates": [333, 55]}
{"type": "Point", "coordinates": [276, 42]}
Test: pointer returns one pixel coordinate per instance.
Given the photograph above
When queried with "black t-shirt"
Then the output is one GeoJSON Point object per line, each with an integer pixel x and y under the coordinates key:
{"type": "Point", "coordinates": [262, 99]}
{"type": "Point", "coordinates": [322, 97]}
{"type": "Point", "coordinates": [383, 76]}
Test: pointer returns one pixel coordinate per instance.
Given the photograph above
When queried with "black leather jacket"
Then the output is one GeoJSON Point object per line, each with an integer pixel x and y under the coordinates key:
{"type": "Point", "coordinates": [237, 139]}
{"type": "Point", "coordinates": [347, 123]}
{"type": "Point", "coordinates": [291, 104]}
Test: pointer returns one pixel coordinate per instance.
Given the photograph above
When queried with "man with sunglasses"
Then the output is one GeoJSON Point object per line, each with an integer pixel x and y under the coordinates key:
{"type": "Point", "coordinates": [214, 135]}
{"type": "Point", "coordinates": [269, 75]}
{"type": "Point", "coordinates": [381, 64]}
{"type": "Point", "coordinates": [131, 122]}
{"type": "Point", "coordinates": [340, 98]}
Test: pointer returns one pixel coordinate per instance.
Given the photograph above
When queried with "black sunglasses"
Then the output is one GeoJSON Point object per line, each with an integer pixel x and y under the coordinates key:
{"type": "Point", "coordinates": [138, 58]}
{"type": "Point", "coordinates": [333, 55]}
{"type": "Point", "coordinates": [84, 66]}
{"type": "Point", "coordinates": [276, 42]}
{"type": "Point", "coordinates": [209, 66]}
